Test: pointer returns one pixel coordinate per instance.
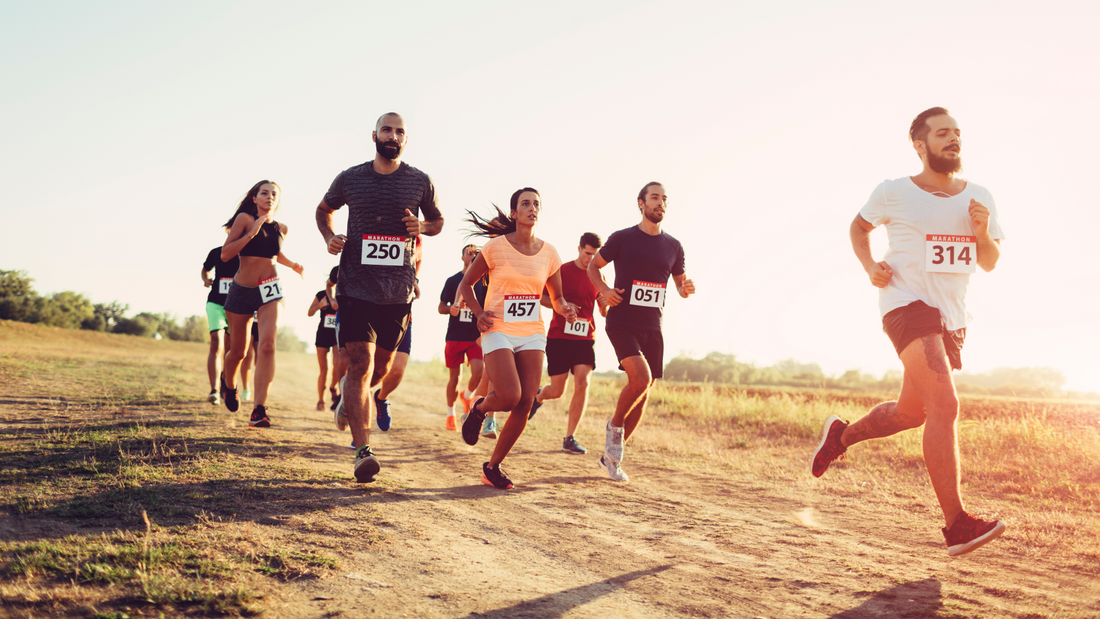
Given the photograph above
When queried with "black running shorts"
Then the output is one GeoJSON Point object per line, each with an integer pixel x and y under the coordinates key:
{"type": "Point", "coordinates": [363, 321]}
{"type": "Point", "coordinates": [918, 319]}
{"type": "Point", "coordinates": [326, 337]}
{"type": "Point", "coordinates": [563, 354]}
{"type": "Point", "coordinates": [244, 300]}
{"type": "Point", "coordinates": [632, 341]}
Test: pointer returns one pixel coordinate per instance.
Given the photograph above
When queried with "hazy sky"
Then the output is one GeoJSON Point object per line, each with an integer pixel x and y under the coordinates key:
{"type": "Point", "coordinates": [130, 130]}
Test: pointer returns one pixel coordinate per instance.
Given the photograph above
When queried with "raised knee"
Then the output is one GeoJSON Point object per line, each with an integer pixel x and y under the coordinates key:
{"type": "Point", "coordinates": [508, 401]}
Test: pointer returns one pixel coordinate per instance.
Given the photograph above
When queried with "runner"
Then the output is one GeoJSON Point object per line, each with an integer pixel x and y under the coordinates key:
{"type": "Point", "coordinates": [392, 378]}
{"type": "Point", "coordinates": [324, 341]}
{"type": "Point", "coordinates": [461, 340]}
{"type": "Point", "coordinates": [644, 257]}
{"type": "Point", "coordinates": [339, 357]}
{"type": "Point", "coordinates": [377, 278]}
{"type": "Point", "coordinates": [513, 339]}
{"type": "Point", "coordinates": [939, 228]}
{"type": "Point", "coordinates": [257, 238]}
{"type": "Point", "coordinates": [572, 350]}
{"type": "Point", "coordinates": [215, 314]}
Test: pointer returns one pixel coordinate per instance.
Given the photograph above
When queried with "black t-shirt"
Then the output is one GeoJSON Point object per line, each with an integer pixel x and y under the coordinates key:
{"type": "Point", "coordinates": [334, 275]}
{"type": "Point", "coordinates": [325, 310]}
{"type": "Point", "coordinates": [222, 271]}
{"type": "Point", "coordinates": [458, 331]}
{"type": "Point", "coordinates": [643, 259]}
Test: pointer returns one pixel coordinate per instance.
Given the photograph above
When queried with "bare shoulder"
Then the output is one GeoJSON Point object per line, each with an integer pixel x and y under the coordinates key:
{"type": "Point", "coordinates": [283, 229]}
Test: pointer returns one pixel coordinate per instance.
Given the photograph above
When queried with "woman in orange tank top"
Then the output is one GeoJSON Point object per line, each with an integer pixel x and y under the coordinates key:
{"type": "Point", "coordinates": [513, 335]}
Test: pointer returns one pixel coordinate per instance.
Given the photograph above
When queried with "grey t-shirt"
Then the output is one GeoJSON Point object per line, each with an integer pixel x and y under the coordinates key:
{"type": "Point", "coordinates": [376, 203]}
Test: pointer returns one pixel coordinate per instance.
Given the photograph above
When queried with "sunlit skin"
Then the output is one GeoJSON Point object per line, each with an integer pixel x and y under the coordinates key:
{"type": "Point", "coordinates": [556, 388]}
{"type": "Point", "coordinates": [216, 351]}
{"type": "Point", "coordinates": [252, 270]}
{"type": "Point", "coordinates": [515, 376]}
{"type": "Point", "coordinates": [322, 358]}
{"type": "Point", "coordinates": [928, 395]}
{"type": "Point", "coordinates": [452, 309]}
{"type": "Point", "coordinates": [632, 400]}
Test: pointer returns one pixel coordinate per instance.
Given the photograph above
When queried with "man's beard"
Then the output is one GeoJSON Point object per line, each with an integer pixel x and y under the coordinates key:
{"type": "Point", "coordinates": [653, 215]}
{"type": "Point", "coordinates": [943, 165]}
{"type": "Point", "coordinates": [389, 150]}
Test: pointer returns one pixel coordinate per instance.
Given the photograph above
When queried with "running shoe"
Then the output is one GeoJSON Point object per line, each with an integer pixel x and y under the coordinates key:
{"type": "Point", "coordinates": [335, 402]}
{"type": "Point", "coordinates": [213, 397]}
{"type": "Point", "coordinates": [472, 424]}
{"type": "Point", "coordinates": [320, 405]}
{"type": "Point", "coordinates": [231, 401]}
{"type": "Point", "coordinates": [535, 404]}
{"type": "Point", "coordinates": [366, 465]}
{"type": "Point", "coordinates": [490, 428]}
{"type": "Point", "coordinates": [451, 422]}
{"type": "Point", "coordinates": [466, 402]}
{"type": "Point", "coordinates": [970, 532]}
{"type": "Point", "coordinates": [612, 468]}
{"type": "Point", "coordinates": [613, 444]}
{"type": "Point", "coordinates": [571, 446]}
{"type": "Point", "coordinates": [495, 477]}
{"type": "Point", "coordinates": [221, 387]}
{"type": "Point", "coordinates": [383, 407]}
{"type": "Point", "coordinates": [340, 417]}
{"type": "Point", "coordinates": [259, 418]}
{"type": "Point", "coordinates": [246, 395]}
{"type": "Point", "coordinates": [830, 448]}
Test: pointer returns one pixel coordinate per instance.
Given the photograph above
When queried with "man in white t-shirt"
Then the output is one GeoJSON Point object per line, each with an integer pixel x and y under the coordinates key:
{"type": "Point", "coordinates": [940, 227]}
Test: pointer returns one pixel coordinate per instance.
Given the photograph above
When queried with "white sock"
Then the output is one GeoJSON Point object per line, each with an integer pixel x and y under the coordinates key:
{"type": "Point", "coordinates": [466, 393]}
{"type": "Point", "coordinates": [451, 411]}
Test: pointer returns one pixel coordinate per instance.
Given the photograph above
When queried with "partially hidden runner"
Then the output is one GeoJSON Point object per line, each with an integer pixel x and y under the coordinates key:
{"type": "Point", "coordinates": [339, 355]}
{"type": "Point", "coordinates": [258, 239]}
{"type": "Point", "coordinates": [324, 341]}
{"type": "Point", "coordinates": [570, 346]}
{"type": "Point", "coordinates": [644, 258]}
{"type": "Point", "coordinates": [215, 315]}
{"type": "Point", "coordinates": [461, 339]}
{"type": "Point", "coordinates": [513, 337]}
{"type": "Point", "coordinates": [939, 227]}
{"type": "Point", "coordinates": [391, 379]}
{"type": "Point", "coordinates": [385, 199]}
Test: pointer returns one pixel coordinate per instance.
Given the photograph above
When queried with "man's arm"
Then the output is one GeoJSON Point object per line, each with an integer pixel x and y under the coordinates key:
{"type": "Point", "coordinates": [206, 281]}
{"type": "Point", "coordinates": [989, 249]}
{"type": "Point", "coordinates": [335, 242]}
{"type": "Point", "coordinates": [684, 286]}
{"type": "Point", "coordinates": [860, 234]}
{"type": "Point", "coordinates": [609, 294]}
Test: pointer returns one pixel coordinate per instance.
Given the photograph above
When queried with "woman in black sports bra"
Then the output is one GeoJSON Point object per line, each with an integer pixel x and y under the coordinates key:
{"type": "Point", "coordinates": [258, 240]}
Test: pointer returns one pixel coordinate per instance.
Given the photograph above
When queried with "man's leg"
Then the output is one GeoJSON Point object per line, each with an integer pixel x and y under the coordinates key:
{"type": "Point", "coordinates": [633, 397]}
{"type": "Point", "coordinates": [888, 418]}
{"type": "Point", "coordinates": [580, 397]}
{"type": "Point", "coordinates": [393, 377]}
{"type": "Point", "coordinates": [357, 406]}
{"type": "Point", "coordinates": [554, 390]}
{"type": "Point", "coordinates": [477, 368]}
{"type": "Point", "coordinates": [212, 358]}
{"type": "Point", "coordinates": [452, 384]}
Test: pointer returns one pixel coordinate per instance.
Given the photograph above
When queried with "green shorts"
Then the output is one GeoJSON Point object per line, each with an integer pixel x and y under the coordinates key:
{"type": "Point", "coordinates": [215, 317]}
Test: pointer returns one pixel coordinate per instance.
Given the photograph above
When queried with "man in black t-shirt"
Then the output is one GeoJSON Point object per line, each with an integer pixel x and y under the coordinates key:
{"type": "Point", "coordinates": [644, 259]}
{"type": "Point", "coordinates": [385, 199]}
{"type": "Point", "coordinates": [461, 341]}
{"type": "Point", "coordinates": [215, 310]}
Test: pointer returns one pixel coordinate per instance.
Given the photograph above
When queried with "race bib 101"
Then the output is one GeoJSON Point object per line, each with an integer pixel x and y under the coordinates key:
{"type": "Point", "coordinates": [521, 308]}
{"type": "Point", "coordinates": [945, 253]}
{"type": "Point", "coordinates": [330, 321]}
{"type": "Point", "coordinates": [465, 315]}
{"type": "Point", "coordinates": [647, 294]}
{"type": "Point", "coordinates": [270, 289]}
{"type": "Point", "coordinates": [383, 250]}
{"type": "Point", "coordinates": [577, 327]}
{"type": "Point", "coordinates": [223, 285]}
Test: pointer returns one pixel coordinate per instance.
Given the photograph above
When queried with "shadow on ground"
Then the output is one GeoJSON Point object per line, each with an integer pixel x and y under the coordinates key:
{"type": "Point", "coordinates": [916, 599]}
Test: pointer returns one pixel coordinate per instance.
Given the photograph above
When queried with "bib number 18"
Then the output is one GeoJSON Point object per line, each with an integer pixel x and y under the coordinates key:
{"type": "Point", "coordinates": [465, 315]}
{"type": "Point", "coordinates": [521, 308]}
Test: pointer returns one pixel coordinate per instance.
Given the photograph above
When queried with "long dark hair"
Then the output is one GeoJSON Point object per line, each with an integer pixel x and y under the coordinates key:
{"type": "Point", "coordinates": [247, 204]}
{"type": "Point", "coordinates": [501, 223]}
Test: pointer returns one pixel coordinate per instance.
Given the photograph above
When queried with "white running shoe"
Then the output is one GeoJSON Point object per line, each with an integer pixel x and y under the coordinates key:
{"type": "Point", "coordinates": [490, 428]}
{"type": "Point", "coordinates": [614, 472]}
{"type": "Point", "coordinates": [246, 395]}
{"type": "Point", "coordinates": [213, 397]}
{"type": "Point", "coordinates": [613, 444]}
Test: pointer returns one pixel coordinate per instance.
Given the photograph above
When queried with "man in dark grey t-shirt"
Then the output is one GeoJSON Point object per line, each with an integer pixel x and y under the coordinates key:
{"type": "Point", "coordinates": [385, 199]}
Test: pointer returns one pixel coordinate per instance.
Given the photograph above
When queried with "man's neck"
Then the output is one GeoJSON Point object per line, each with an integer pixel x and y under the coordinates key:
{"type": "Point", "coordinates": [935, 182]}
{"type": "Point", "coordinates": [650, 228]}
{"type": "Point", "coordinates": [382, 165]}
{"type": "Point", "coordinates": [577, 263]}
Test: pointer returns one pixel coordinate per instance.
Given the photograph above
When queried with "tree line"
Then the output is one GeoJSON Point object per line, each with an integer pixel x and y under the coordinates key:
{"type": "Point", "coordinates": [72, 310]}
{"type": "Point", "coordinates": [724, 368]}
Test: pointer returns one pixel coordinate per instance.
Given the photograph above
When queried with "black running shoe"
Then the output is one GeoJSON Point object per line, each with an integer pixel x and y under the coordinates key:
{"type": "Point", "coordinates": [335, 403]}
{"type": "Point", "coordinates": [232, 399]}
{"type": "Point", "coordinates": [222, 389]}
{"type": "Point", "coordinates": [535, 404]}
{"type": "Point", "coordinates": [495, 477]}
{"type": "Point", "coordinates": [471, 427]}
{"type": "Point", "coordinates": [259, 417]}
{"type": "Point", "coordinates": [366, 465]}
{"type": "Point", "coordinates": [570, 446]}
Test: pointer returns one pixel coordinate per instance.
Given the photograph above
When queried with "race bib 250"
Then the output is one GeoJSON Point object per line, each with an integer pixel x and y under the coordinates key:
{"type": "Point", "coordinates": [383, 250]}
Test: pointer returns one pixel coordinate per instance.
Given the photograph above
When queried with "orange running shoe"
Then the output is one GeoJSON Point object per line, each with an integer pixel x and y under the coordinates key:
{"type": "Point", "coordinates": [451, 422]}
{"type": "Point", "coordinates": [466, 402]}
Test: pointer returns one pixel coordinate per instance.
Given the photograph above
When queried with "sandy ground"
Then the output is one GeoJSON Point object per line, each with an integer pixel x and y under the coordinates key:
{"type": "Point", "coordinates": [429, 540]}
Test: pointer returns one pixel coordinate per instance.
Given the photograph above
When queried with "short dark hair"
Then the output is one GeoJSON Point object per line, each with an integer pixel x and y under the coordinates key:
{"type": "Point", "coordinates": [591, 239]}
{"type": "Point", "coordinates": [468, 247]}
{"type": "Point", "coordinates": [641, 194]}
{"type": "Point", "coordinates": [918, 131]}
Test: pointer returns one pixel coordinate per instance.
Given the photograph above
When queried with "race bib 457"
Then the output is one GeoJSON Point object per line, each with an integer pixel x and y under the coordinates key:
{"type": "Point", "coordinates": [521, 307]}
{"type": "Point", "coordinates": [946, 253]}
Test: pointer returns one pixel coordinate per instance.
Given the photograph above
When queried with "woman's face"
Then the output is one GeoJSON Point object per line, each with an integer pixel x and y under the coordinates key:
{"type": "Point", "coordinates": [527, 208]}
{"type": "Point", "coordinates": [267, 199]}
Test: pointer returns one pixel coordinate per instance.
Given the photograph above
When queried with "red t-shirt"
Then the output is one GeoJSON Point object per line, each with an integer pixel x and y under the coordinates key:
{"type": "Point", "coordinates": [578, 290]}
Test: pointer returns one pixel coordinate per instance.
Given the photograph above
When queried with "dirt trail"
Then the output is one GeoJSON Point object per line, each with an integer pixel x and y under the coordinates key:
{"type": "Point", "coordinates": [429, 540]}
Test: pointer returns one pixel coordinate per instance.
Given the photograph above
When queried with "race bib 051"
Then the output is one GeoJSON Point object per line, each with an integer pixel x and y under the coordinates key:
{"type": "Point", "coordinates": [945, 253]}
{"type": "Point", "coordinates": [647, 294]}
{"type": "Point", "coordinates": [383, 250]}
{"type": "Point", "coordinates": [521, 307]}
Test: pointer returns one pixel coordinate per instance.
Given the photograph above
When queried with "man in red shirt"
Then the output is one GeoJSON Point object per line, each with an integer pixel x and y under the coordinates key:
{"type": "Point", "coordinates": [570, 345]}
